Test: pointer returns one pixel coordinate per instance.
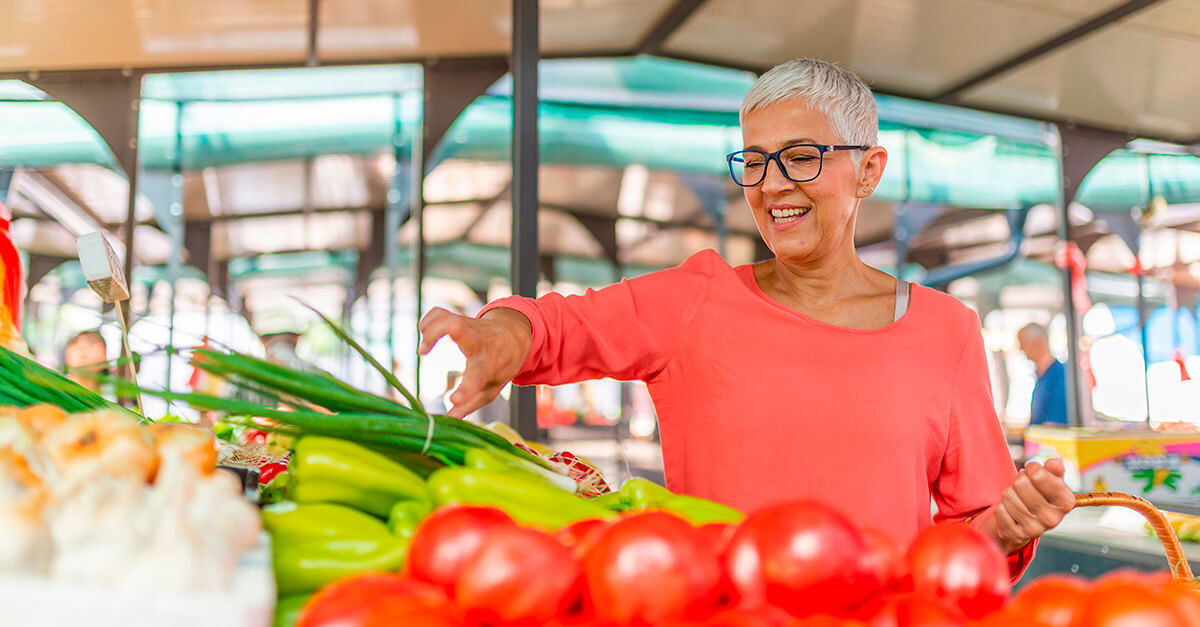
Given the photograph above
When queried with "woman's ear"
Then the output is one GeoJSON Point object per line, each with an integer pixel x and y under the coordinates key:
{"type": "Point", "coordinates": [871, 170]}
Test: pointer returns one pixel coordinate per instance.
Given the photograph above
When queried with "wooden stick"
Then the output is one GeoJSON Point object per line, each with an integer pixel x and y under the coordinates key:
{"type": "Point", "coordinates": [1180, 568]}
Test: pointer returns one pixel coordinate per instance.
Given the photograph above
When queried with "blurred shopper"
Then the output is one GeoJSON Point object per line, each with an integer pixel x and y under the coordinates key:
{"type": "Point", "coordinates": [84, 357]}
{"type": "Point", "coordinates": [280, 332]}
{"type": "Point", "coordinates": [1049, 405]}
{"type": "Point", "coordinates": [810, 375]}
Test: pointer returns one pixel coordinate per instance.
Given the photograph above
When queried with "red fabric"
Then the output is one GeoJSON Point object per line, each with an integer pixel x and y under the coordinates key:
{"type": "Point", "coordinates": [12, 294]}
{"type": "Point", "coordinates": [758, 404]}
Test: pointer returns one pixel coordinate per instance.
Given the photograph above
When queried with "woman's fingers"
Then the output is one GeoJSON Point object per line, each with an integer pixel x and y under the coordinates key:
{"type": "Point", "coordinates": [439, 323]}
{"type": "Point", "coordinates": [1056, 467]}
{"type": "Point", "coordinates": [432, 327]}
{"type": "Point", "coordinates": [494, 346]}
{"type": "Point", "coordinates": [1007, 526]}
{"type": "Point", "coordinates": [472, 401]}
{"type": "Point", "coordinates": [1048, 481]}
{"type": "Point", "coordinates": [475, 378]}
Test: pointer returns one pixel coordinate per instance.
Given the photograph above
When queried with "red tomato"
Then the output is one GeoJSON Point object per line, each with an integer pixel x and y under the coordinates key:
{"type": "Point", "coordinates": [762, 616]}
{"type": "Point", "coordinates": [1135, 576]}
{"type": "Point", "coordinates": [348, 602]}
{"type": "Point", "coordinates": [884, 557]}
{"type": "Point", "coordinates": [1054, 600]}
{"type": "Point", "coordinates": [717, 535]}
{"type": "Point", "coordinates": [915, 610]}
{"type": "Point", "coordinates": [267, 472]}
{"type": "Point", "coordinates": [1186, 598]}
{"type": "Point", "coordinates": [393, 612]}
{"type": "Point", "coordinates": [802, 557]}
{"type": "Point", "coordinates": [960, 565]}
{"type": "Point", "coordinates": [521, 576]}
{"type": "Point", "coordinates": [1118, 602]}
{"type": "Point", "coordinates": [447, 539]}
{"type": "Point", "coordinates": [578, 536]}
{"type": "Point", "coordinates": [648, 568]}
{"type": "Point", "coordinates": [1009, 617]}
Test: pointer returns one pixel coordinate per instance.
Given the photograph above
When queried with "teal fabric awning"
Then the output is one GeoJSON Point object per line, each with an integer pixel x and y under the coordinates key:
{"type": "Point", "coordinates": [602, 112]}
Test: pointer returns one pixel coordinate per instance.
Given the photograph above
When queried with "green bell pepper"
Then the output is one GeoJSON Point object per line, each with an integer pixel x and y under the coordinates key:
{"type": "Point", "coordinates": [488, 460]}
{"type": "Point", "coordinates": [700, 511]}
{"type": "Point", "coordinates": [638, 493]}
{"type": "Point", "coordinates": [406, 515]}
{"type": "Point", "coordinates": [329, 470]}
{"type": "Point", "coordinates": [526, 497]}
{"type": "Point", "coordinates": [611, 501]}
{"type": "Point", "coordinates": [316, 543]}
{"type": "Point", "coordinates": [287, 610]}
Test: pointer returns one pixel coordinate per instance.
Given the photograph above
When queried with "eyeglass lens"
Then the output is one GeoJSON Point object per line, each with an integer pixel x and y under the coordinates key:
{"type": "Point", "coordinates": [802, 163]}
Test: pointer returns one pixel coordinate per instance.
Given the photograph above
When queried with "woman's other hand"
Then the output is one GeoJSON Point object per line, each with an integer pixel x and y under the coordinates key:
{"type": "Point", "coordinates": [495, 346]}
{"type": "Point", "coordinates": [1035, 503]}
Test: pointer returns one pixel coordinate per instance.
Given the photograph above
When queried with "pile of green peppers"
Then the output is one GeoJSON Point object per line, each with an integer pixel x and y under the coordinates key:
{"type": "Point", "coordinates": [337, 521]}
{"type": "Point", "coordinates": [639, 494]}
{"type": "Point", "coordinates": [353, 509]}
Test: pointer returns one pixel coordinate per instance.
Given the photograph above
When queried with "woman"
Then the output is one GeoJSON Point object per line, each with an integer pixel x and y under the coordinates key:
{"type": "Point", "coordinates": [809, 375]}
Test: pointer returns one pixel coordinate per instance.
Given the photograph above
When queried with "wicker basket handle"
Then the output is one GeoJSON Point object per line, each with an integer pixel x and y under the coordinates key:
{"type": "Point", "coordinates": [1180, 568]}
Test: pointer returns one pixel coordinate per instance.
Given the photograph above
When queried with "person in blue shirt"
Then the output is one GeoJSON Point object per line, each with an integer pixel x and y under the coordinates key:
{"type": "Point", "coordinates": [1049, 404]}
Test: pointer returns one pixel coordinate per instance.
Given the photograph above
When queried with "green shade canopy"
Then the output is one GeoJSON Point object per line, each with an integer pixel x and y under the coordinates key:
{"type": "Point", "coordinates": [610, 112]}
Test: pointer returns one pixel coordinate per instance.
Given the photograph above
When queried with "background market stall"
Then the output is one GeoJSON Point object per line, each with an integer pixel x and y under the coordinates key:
{"type": "Point", "coordinates": [231, 195]}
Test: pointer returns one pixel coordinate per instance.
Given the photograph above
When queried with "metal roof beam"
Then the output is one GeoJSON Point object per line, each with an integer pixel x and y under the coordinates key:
{"type": "Point", "coordinates": [286, 213]}
{"type": "Point", "coordinates": [483, 59]}
{"type": "Point", "coordinates": [314, 15]}
{"type": "Point", "coordinates": [652, 43]}
{"type": "Point", "coordinates": [1036, 51]}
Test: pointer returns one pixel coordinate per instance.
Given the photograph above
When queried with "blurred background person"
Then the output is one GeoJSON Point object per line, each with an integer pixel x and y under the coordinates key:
{"type": "Point", "coordinates": [85, 356]}
{"type": "Point", "coordinates": [1049, 404]}
{"type": "Point", "coordinates": [280, 332]}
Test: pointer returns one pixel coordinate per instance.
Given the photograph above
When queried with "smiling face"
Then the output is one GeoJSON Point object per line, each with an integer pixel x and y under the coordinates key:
{"type": "Point", "coordinates": [807, 222]}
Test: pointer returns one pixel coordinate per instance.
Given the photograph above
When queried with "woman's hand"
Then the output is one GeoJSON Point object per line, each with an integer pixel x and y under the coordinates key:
{"type": "Point", "coordinates": [1034, 504]}
{"type": "Point", "coordinates": [495, 346]}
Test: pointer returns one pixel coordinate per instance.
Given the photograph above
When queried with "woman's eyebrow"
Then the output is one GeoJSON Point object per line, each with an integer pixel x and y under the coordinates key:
{"type": "Point", "coordinates": [790, 142]}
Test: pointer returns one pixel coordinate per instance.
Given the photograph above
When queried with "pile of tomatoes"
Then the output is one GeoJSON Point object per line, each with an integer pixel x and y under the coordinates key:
{"type": "Point", "coordinates": [794, 564]}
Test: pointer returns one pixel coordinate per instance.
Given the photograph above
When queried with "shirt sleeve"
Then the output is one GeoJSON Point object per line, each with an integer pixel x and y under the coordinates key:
{"type": "Point", "coordinates": [976, 466]}
{"type": "Point", "coordinates": [628, 330]}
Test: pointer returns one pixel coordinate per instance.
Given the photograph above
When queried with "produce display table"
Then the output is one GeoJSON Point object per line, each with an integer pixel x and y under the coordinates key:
{"type": "Point", "coordinates": [1088, 543]}
{"type": "Point", "coordinates": [1162, 467]}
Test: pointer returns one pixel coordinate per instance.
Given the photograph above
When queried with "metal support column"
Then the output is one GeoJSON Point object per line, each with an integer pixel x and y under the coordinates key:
{"type": "Point", "coordinates": [1078, 151]}
{"type": "Point", "coordinates": [391, 225]}
{"type": "Point", "coordinates": [175, 262]}
{"type": "Point", "coordinates": [417, 213]}
{"type": "Point", "coordinates": [524, 269]}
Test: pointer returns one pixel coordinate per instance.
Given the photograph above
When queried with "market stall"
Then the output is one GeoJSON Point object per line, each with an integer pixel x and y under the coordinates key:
{"type": "Point", "coordinates": [385, 515]}
{"type": "Point", "coordinates": [378, 512]}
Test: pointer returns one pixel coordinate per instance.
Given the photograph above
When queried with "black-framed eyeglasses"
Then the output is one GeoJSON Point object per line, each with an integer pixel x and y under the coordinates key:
{"type": "Point", "coordinates": [799, 163]}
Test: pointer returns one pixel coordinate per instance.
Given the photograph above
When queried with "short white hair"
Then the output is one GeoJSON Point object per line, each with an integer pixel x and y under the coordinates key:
{"type": "Point", "coordinates": [839, 94]}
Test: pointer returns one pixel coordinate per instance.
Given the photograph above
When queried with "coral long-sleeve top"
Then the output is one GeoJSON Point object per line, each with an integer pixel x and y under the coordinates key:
{"type": "Point", "coordinates": [758, 403]}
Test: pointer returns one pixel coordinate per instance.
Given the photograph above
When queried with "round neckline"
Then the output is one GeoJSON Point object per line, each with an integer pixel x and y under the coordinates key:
{"type": "Point", "coordinates": [746, 272]}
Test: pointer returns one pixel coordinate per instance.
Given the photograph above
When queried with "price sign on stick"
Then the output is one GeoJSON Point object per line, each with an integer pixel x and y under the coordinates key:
{"type": "Point", "coordinates": [102, 271]}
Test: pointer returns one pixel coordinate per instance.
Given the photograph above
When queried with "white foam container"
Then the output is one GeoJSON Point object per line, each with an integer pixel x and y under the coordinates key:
{"type": "Point", "coordinates": [249, 601]}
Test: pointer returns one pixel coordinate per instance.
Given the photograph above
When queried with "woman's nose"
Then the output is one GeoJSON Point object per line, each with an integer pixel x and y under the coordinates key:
{"type": "Point", "coordinates": [774, 181]}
